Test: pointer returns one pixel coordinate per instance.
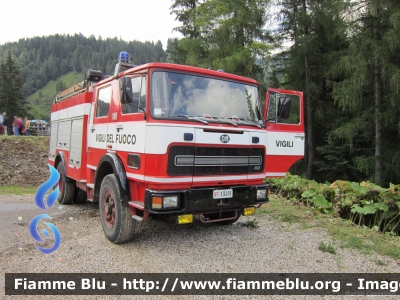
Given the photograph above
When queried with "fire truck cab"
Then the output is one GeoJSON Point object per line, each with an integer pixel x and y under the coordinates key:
{"type": "Point", "coordinates": [169, 140]}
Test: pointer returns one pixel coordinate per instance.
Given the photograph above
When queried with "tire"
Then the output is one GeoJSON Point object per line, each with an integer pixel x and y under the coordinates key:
{"type": "Point", "coordinates": [230, 222]}
{"type": "Point", "coordinates": [115, 217]}
{"type": "Point", "coordinates": [80, 196]}
{"type": "Point", "coordinates": [66, 186]}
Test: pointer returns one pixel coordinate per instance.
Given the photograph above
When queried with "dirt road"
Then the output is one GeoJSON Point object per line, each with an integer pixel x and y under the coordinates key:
{"type": "Point", "coordinates": [161, 247]}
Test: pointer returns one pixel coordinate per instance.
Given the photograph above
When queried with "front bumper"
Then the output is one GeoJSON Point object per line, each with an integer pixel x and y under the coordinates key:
{"type": "Point", "coordinates": [200, 200]}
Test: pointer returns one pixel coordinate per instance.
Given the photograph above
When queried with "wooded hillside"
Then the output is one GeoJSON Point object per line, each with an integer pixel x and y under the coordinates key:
{"type": "Point", "coordinates": [42, 59]}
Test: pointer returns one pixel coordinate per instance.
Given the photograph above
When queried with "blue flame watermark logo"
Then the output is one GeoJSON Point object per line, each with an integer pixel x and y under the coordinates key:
{"type": "Point", "coordinates": [50, 200]}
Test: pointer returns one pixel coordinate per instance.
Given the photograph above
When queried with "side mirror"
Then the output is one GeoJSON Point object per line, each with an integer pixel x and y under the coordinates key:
{"type": "Point", "coordinates": [284, 106]}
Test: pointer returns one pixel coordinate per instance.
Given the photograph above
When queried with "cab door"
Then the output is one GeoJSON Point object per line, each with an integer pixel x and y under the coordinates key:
{"type": "Point", "coordinates": [131, 126]}
{"type": "Point", "coordinates": [98, 125]}
{"type": "Point", "coordinates": [284, 115]}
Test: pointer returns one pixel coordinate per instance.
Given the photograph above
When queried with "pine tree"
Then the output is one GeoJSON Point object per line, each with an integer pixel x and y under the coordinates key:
{"type": "Point", "coordinates": [370, 87]}
{"type": "Point", "coordinates": [12, 100]}
{"type": "Point", "coordinates": [222, 34]}
{"type": "Point", "coordinates": [312, 27]}
{"type": "Point", "coordinates": [185, 11]}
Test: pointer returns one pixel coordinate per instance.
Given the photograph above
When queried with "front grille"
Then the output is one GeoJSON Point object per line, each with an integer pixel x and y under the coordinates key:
{"type": "Point", "coordinates": [214, 161]}
{"type": "Point", "coordinates": [179, 170]}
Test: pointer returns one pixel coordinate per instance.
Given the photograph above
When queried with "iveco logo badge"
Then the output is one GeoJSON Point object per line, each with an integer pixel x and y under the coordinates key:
{"type": "Point", "coordinates": [224, 138]}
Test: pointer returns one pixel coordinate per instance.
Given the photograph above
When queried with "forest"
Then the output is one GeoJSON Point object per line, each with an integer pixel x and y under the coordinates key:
{"type": "Point", "coordinates": [344, 55]}
{"type": "Point", "coordinates": [42, 59]}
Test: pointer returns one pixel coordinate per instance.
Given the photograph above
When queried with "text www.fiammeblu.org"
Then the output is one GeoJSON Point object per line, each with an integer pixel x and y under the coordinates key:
{"type": "Point", "coordinates": [233, 284]}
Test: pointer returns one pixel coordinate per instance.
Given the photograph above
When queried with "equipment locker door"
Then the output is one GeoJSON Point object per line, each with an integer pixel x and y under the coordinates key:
{"type": "Point", "coordinates": [284, 115]}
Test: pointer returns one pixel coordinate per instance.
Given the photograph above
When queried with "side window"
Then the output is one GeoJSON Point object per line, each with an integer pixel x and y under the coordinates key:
{"type": "Point", "coordinates": [103, 102]}
{"type": "Point", "coordinates": [132, 91]}
{"type": "Point", "coordinates": [294, 117]}
{"type": "Point", "coordinates": [275, 99]}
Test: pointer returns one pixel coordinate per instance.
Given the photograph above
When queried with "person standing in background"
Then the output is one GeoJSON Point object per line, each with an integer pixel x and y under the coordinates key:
{"type": "Point", "coordinates": [27, 126]}
{"type": "Point", "coordinates": [1, 125]}
{"type": "Point", "coordinates": [16, 126]}
{"type": "Point", "coordinates": [21, 128]}
{"type": "Point", "coordinates": [5, 123]}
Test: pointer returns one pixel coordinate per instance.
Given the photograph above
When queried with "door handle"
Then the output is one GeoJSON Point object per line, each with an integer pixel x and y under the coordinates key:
{"type": "Point", "coordinates": [93, 129]}
{"type": "Point", "coordinates": [299, 137]}
{"type": "Point", "coordinates": [119, 127]}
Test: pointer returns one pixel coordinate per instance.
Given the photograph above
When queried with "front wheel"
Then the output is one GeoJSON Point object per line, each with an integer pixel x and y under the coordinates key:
{"type": "Point", "coordinates": [116, 219]}
{"type": "Point", "coordinates": [66, 186]}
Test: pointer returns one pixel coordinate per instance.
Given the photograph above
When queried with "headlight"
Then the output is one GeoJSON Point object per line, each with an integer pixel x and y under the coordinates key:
{"type": "Point", "coordinates": [262, 194]}
{"type": "Point", "coordinates": [169, 202]}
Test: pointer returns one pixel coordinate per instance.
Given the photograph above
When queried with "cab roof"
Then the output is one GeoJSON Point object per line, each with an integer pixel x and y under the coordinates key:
{"type": "Point", "coordinates": [189, 69]}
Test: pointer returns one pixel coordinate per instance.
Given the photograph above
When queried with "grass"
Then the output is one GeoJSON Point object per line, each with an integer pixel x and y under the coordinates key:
{"type": "Point", "coordinates": [356, 242]}
{"type": "Point", "coordinates": [42, 105]}
{"type": "Point", "coordinates": [326, 248]}
{"type": "Point", "coordinates": [250, 224]}
{"type": "Point", "coordinates": [344, 234]}
{"type": "Point", "coordinates": [380, 263]}
{"type": "Point", "coordinates": [17, 190]}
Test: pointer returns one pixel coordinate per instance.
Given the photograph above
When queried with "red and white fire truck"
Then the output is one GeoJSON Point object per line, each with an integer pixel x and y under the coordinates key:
{"type": "Point", "coordinates": [169, 140]}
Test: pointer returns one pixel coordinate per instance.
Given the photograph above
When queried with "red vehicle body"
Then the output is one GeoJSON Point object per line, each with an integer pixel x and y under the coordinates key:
{"type": "Point", "coordinates": [170, 140]}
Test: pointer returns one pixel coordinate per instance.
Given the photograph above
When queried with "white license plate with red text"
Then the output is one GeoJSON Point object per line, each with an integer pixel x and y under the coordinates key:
{"type": "Point", "coordinates": [220, 194]}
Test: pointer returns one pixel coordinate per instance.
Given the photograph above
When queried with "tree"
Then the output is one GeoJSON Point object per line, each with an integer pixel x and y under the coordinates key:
{"type": "Point", "coordinates": [185, 11]}
{"type": "Point", "coordinates": [312, 27]}
{"type": "Point", "coordinates": [369, 88]}
{"type": "Point", "coordinates": [12, 100]}
{"type": "Point", "coordinates": [60, 85]}
{"type": "Point", "coordinates": [222, 34]}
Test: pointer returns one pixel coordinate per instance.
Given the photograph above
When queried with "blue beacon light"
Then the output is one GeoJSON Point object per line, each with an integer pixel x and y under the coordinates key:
{"type": "Point", "coordinates": [124, 57]}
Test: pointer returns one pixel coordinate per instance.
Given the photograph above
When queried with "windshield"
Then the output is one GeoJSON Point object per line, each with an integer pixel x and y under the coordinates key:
{"type": "Point", "coordinates": [176, 94]}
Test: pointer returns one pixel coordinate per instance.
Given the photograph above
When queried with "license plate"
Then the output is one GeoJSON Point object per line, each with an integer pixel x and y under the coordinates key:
{"type": "Point", "coordinates": [219, 194]}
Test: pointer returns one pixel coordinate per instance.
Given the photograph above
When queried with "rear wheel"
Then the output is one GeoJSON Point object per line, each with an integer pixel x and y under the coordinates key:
{"type": "Point", "coordinates": [80, 196]}
{"type": "Point", "coordinates": [116, 219]}
{"type": "Point", "coordinates": [66, 186]}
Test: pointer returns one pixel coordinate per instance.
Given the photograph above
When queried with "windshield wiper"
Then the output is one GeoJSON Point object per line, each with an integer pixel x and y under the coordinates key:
{"type": "Point", "coordinates": [189, 118]}
{"type": "Point", "coordinates": [248, 122]}
{"type": "Point", "coordinates": [225, 121]}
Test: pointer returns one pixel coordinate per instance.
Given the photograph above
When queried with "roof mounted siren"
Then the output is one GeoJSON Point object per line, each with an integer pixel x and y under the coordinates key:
{"type": "Point", "coordinates": [123, 63]}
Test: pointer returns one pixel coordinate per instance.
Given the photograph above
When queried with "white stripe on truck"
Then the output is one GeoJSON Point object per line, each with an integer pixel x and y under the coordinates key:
{"type": "Point", "coordinates": [71, 112]}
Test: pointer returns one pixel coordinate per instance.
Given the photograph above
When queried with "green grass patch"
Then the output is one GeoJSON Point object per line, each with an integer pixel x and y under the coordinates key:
{"type": "Point", "coordinates": [326, 248]}
{"type": "Point", "coordinates": [17, 190]}
{"type": "Point", "coordinates": [355, 242]}
{"type": "Point", "coordinates": [250, 224]}
{"type": "Point", "coordinates": [42, 99]}
{"type": "Point", "coordinates": [343, 232]}
{"type": "Point", "coordinates": [380, 263]}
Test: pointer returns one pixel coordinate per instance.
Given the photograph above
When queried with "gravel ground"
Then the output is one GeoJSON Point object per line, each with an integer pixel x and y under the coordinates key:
{"type": "Point", "coordinates": [274, 247]}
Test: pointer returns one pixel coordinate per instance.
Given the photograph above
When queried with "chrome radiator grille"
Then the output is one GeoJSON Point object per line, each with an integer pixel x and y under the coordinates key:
{"type": "Point", "coordinates": [184, 160]}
